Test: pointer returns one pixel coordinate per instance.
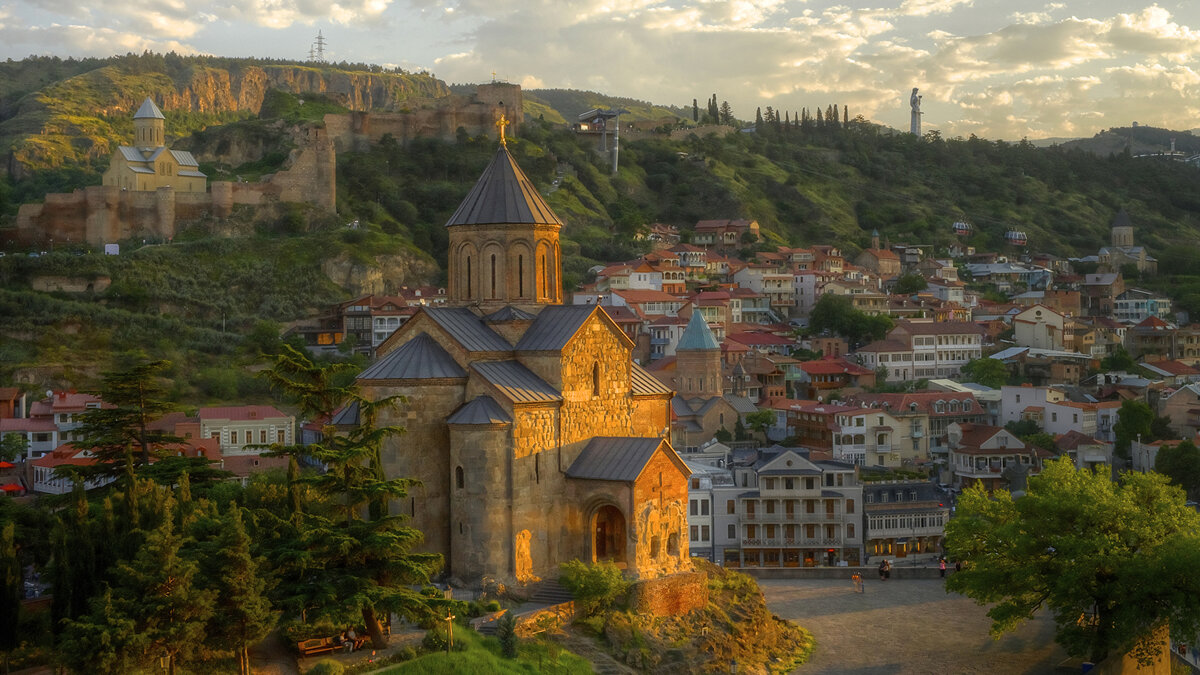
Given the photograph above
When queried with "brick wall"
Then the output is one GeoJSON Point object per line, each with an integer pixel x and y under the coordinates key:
{"type": "Point", "coordinates": [671, 595]}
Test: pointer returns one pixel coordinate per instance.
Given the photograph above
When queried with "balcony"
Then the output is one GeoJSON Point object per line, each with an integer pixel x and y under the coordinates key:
{"type": "Point", "coordinates": [798, 517]}
{"type": "Point", "coordinates": [795, 542]}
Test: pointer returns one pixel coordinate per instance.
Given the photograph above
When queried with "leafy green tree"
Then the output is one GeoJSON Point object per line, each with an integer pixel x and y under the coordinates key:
{"type": "Point", "coordinates": [759, 421]}
{"type": "Point", "coordinates": [909, 284]}
{"type": "Point", "coordinates": [596, 587]}
{"type": "Point", "coordinates": [119, 432]}
{"type": "Point", "coordinates": [986, 371]}
{"type": "Point", "coordinates": [103, 641]}
{"type": "Point", "coordinates": [836, 314]}
{"type": "Point", "coordinates": [1111, 561]}
{"type": "Point", "coordinates": [1118, 360]}
{"type": "Point", "coordinates": [1180, 463]}
{"type": "Point", "coordinates": [1022, 428]}
{"type": "Point", "coordinates": [13, 447]}
{"type": "Point", "coordinates": [1042, 440]}
{"type": "Point", "coordinates": [1134, 420]}
{"type": "Point", "coordinates": [726, 113]}
{"type": "Point", "coordinates": [723, 435]}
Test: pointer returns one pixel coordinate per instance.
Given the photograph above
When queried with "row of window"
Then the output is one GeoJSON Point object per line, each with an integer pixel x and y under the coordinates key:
{"type": "Point", "coordinates": [883, 496]}
{"type": "Point", "coordinates": [810, 506]}
{"type": "Point", "coordinates": [248, 437]}
{"type": "Point", "coordinates": [906, 522]}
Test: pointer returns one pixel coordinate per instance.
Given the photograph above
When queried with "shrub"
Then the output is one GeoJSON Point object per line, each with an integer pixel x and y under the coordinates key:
{"type": "Point", "coordinates": [327, 667]}
{"type": "Point", "coordinates": [506, 632]}
{"type": "Point", "coordinates": [492, 606]}
{"type": "Point", "coordinates": [596, 587]}
{"type": "Point", "coordinates": [407, 654]}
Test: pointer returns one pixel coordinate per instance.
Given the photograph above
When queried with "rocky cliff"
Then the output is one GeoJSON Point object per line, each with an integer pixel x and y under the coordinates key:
{"type": "Point", "coordinates": [83, 117]}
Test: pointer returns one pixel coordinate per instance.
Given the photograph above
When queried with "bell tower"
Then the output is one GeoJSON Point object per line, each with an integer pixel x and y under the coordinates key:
{"type": "Point", "coordinates": [149, 126]}
{"type": "Point", "coordinates": [504, 246]}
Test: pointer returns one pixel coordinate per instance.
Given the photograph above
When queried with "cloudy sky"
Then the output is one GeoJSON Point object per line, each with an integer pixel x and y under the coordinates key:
{"type": "Point", "coordinates": [1011, 69]}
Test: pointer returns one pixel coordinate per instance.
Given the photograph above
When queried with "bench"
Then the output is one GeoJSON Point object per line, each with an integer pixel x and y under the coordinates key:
{"type": "Point", "coordinates": [317, 646]}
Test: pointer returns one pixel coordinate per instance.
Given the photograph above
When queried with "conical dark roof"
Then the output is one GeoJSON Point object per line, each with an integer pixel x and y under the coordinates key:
{"type": "Point", "coordinates": [148, 110]}
{"type": "Point", "coordinates": [1122, 219]}
{"type": "Point", "coordinates": [503, 195]}
{"type": "Point", "coordinates": [697, 335]}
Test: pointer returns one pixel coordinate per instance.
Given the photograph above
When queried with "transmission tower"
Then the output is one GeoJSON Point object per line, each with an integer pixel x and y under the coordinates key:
{"type": "Point", "coordinates": [317, 51]}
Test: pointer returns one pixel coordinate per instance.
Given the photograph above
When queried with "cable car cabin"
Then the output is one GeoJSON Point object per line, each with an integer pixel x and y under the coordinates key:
{"type": "Point", "coordinates": [1016, 238]}
{"type": "Point", "coordinates": [961, 228]}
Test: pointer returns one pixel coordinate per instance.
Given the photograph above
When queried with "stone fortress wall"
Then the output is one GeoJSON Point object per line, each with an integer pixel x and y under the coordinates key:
{"type": "Point", "coordinates": [100, 214]}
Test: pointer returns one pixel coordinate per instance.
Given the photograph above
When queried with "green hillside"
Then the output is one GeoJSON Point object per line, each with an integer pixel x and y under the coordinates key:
{"type": "Point", "coordinates": [57, 113]}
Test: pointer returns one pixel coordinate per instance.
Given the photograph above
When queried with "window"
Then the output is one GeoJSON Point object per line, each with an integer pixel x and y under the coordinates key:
{"type": "Point", "coordinates": [280, 436]}
{"type": "Point", "coordinates": [730, 507]}
{"type": "Point", "coordinates": [693, 510]}
{"type": "Point", "coordinates": [850, 530]}
{"type": "Point", "coordinates": [233, 438]}
{"type": "Point", "coordinates": [695, 483]}
{"type": "Point", "coordinates": [732, 532]}
{"type": "Point", "coordinates": [870, 499]}
{"type": "Point", "coordinates": [694, 530]}
{"type": "Point", "coordinates": [849, 506]}
{"type": "Point", "coordinates": [704, 507]}
{"type": "Point", "coordinates": [770, 483]}
{"type": "Point", "coordinates": [789, 483]}
{"type": "Point", "coordinates": [596, 379]}
{"type": "Point", "coordinates": [459, 480]}
{"type": "Point", "coordinates": [704, 533]}
{"type": "Point", "coordinates": [262, 436]}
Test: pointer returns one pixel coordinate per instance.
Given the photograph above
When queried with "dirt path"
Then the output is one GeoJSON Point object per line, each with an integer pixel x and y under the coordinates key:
{"type": "Point", "coordinates": [906, 627]}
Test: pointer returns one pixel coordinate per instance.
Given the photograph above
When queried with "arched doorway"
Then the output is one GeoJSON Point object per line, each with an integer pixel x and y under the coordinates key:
{"type": "Point", "coordinates": [608, 534]}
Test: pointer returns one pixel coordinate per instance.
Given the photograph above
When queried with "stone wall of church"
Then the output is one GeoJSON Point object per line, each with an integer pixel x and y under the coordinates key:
{"type": "Point", "coordinates": [422, 453]}
{"type": "Point", "coordinates": [479, 514]}
{"type": "Point", "coordinates": [660, 518]}
{"type": "Point", "coordinates": [651, 415]}
{"type": "Point", "coordinates": [672, 595]}
{"type": "Point", "coordinates": [539, 482]}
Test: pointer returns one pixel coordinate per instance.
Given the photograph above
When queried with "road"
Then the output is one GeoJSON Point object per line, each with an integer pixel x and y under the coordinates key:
{"type": "Point", "coordinates": [906, 627]}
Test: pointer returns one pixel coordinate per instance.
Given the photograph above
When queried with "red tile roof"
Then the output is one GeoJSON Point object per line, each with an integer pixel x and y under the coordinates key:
{"type": "Point", "coordinates": [239, 413]}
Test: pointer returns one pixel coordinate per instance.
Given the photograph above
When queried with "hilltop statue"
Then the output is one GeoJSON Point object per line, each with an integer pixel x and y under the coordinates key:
{"type": "Point", "coordinates": [915, 102]}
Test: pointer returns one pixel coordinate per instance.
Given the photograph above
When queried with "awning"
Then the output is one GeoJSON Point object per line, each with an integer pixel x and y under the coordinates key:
{"type": "Point", "coordinates": [12, 487]}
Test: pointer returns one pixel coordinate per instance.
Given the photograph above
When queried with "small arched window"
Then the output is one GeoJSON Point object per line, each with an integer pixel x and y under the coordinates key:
{"type": "Point", "coordinates": [459, 480]}
{"type": "Point", "coordinates": [596, 378]}
{"type": "Point", "coordinates": [468, 277]}
{"type": "Point", "coordinates": [493, 261]}
{"type": "Point", "coordinates": [520, 276]}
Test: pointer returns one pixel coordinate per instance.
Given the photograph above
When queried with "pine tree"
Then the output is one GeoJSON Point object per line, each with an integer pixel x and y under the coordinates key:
{"type": "Point", "coordinates": [360, 554]}
{"type": "Point", "coordinates": [157, 592]}
{"type": "Point", "coordinates": [104, 641]}
{"type": "Point", "coordinates": [506, 633]}
{"type": "Point", "coordinates": [242, 614]}
{"type": "Point", "coordinates": [695, 111]}
{"type": "Point", "coordinates": [836, 116]}
{"type": "Point", "coordinates": [845, 116]}
{"type": "Point", "coordinates": [758, 120]}
{"type": "Point", "coordinates": [119, 431]}
{"type": "Point", "coordinates": [726, 113]}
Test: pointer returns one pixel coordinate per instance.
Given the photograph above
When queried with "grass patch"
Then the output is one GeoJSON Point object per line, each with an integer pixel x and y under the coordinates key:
{"type": "Point", "coordinates": [482, 657]}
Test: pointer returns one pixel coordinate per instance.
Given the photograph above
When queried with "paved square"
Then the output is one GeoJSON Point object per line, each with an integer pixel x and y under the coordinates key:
{"type": "Point", "coordinates": [906, 627]}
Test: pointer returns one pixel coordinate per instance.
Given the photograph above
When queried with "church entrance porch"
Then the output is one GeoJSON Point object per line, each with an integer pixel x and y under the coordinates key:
{"type": "Point", "coordinates": [609, 535]}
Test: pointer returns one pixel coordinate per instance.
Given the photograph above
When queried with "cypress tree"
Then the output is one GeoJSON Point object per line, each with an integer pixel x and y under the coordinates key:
{"type": "Point", "coordinates": [12, 589]}
{"type": "Point", "coordinates": [242, 614]}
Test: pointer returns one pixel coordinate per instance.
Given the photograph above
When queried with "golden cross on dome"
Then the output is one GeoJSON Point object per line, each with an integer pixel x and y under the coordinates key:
{"type": "Point", "coordinates": [501, 123]}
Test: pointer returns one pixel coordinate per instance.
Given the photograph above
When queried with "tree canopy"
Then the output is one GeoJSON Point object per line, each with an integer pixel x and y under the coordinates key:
{"type": "Point", "coordinates": [836, 313]}
{"type": "Point", "coordinates": [1112, 561]}
{"type": "Point", "coordinates": [986, 371]}
{"type": "Point", "coordinates": [1180, 463]}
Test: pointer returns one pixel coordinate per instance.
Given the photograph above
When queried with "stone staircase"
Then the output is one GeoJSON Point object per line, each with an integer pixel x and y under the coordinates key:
{"type": "Point", "coordinates": [545, 594]}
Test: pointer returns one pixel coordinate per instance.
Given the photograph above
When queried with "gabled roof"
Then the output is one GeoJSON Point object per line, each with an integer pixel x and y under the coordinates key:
{"type": "Point", "coordinates": [480, 410]}
{"type": "Point", "coordinates": [467, 329]}
{"type": "Point", "coordinates": [421, 358]}
{"type": "Point", "coordinates": [148, 111]}
{"type": "Point", "coordinates": [697, 335]}
{"type": "Point", "coordinates": [346, 417]}
{"type": "Point", "coordinates": [509, 313]}
{"type": "Point", "coordinates": [617, 459]}
{"type": "Point", "coordinates": [643, 383]}
{"type": "Point", "coordinates": [503, 195]}
{"type": "Point", "coordinates": [554, 327]}
{"type": "Point", "coordinates": [516, 382]}
{"type": "Point", "coordinates": [240, 413]}
{"type": "Point", "coordinates": [184, 158]}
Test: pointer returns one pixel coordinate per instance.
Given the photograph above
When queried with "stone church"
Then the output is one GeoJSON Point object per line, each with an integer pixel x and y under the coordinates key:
{"type": "Point", "coordinates": [148, 165]}
{"type": "Point", "coordinates": [536, 438]}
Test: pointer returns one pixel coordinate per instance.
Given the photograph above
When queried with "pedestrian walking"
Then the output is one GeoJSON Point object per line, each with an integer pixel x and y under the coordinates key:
{"type": "Point", "coordinates": [882, 569]}
{"type": "Point", "coordinates": [887, 569]}
{"type": "Point", "coordinates": [942, 567]}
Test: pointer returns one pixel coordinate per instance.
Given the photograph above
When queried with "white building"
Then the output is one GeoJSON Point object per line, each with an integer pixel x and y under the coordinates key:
{"type": "Point", "coordinates": [1040, 327]}
{"type": "Point", "coordinates": [920, 350]}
